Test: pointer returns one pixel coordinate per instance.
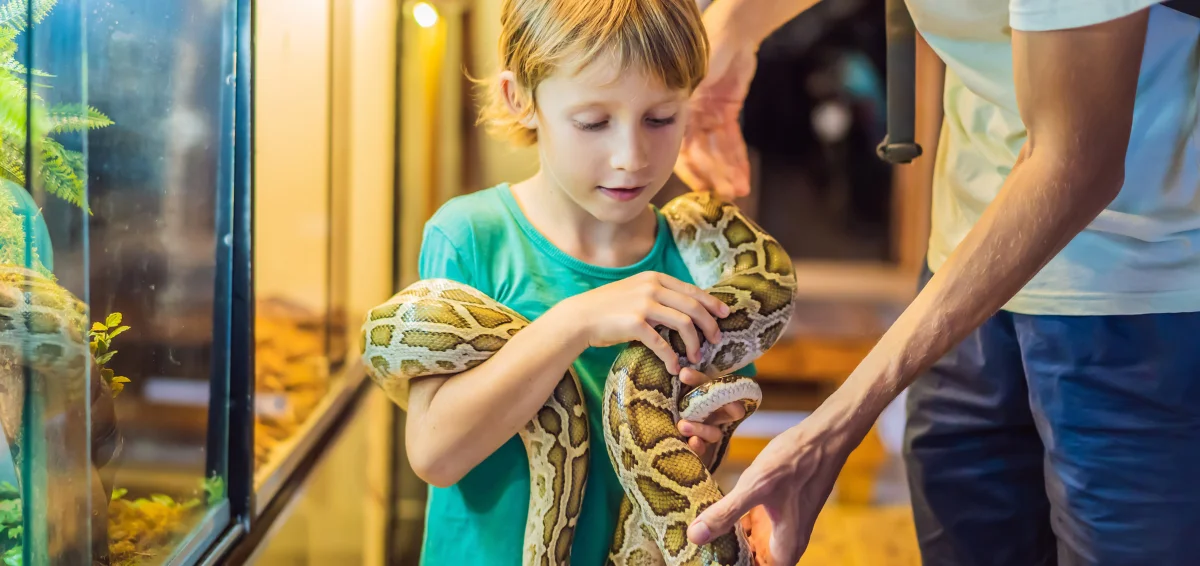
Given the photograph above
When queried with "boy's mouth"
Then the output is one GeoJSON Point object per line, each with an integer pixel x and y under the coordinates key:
{"type": "Point", "coordinates": [622, 193]}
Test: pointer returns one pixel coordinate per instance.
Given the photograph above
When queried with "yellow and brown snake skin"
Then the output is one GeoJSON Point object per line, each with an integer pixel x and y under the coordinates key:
{"type": "Point", "coordinates": [440, 327]}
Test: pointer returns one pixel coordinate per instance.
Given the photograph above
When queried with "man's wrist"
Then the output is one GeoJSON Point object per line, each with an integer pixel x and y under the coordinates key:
{"type": "Point", "coordinates": [856, 405]}
{"type": "Point", "coordinates": [732, 22]}
{"type": "Point", "coordinates": [750, 22]}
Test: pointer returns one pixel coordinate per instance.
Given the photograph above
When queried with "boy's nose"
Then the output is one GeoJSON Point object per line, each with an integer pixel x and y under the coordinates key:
{"type": "Point", "coordinates": [631, 153]}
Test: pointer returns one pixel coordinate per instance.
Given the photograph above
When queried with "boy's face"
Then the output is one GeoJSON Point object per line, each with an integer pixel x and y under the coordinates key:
{"type": "Point", "coordinates": [609, 139]}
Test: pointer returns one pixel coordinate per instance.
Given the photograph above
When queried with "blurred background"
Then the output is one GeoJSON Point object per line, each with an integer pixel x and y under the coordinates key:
{"type": "Point", "coordinates": [228, 186]}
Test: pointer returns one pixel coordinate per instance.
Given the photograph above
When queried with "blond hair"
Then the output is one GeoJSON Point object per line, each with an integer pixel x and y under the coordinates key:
{"type": "Point", "coordinates": [664, 38]}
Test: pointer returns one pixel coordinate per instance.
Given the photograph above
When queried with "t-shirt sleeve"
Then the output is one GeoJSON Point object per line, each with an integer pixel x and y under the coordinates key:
{"type": "Point", "coordinates": [441, 258]}
{"type": "Point", "coordinates": [1051, 15]}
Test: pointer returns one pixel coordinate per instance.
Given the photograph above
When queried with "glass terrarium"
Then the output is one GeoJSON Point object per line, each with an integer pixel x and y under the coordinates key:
{"type": "Point", "coordinates": [177, 327]}
{"type": "Point", "coordinates": [115, 162]}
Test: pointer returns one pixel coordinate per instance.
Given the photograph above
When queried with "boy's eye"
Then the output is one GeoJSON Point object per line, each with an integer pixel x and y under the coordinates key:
{"type": "Point", "coordinates": [661, 121]}
{"type": "Point", "coordinates": [590, 126]}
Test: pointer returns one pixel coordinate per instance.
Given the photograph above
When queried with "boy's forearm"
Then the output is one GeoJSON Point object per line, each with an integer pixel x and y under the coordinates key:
{"type": "Point", "coordinates": [468, 416]}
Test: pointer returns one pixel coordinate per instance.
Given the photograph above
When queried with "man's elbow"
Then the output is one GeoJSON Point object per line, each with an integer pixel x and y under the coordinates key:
{"type": "Point", "coordinates": [1099, 179]}
{"type": "Point", "coordinates": [1092, 176]}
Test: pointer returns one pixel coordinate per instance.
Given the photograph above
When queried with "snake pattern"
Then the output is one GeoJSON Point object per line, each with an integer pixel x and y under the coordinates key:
{"type": "Point", "coordinates": [42, 323]}
{"type": "Point", "coordinates": [441, 327]}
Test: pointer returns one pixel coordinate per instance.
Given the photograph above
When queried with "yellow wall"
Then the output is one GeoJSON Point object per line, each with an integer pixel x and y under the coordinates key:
{"type": "Point", "coordinates": [372, 119]}
{"type": "Point", "coordinates": [497, 160]}
{"type": "Point", "coordinates": [324, 155]}
{"type": "Point", "coordinates": [292, 150]}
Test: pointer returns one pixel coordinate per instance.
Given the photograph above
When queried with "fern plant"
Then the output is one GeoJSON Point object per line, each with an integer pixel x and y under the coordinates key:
{"type": "Point", "coordinates": [62, 171]}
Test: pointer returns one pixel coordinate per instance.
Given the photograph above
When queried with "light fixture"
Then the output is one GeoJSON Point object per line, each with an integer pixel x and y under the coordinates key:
{"type": "Point", "coordinates": [425, 14]}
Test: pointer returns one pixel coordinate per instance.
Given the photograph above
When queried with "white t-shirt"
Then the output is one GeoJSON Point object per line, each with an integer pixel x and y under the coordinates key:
{"type": "Point", "coordinates": [1142, 254]}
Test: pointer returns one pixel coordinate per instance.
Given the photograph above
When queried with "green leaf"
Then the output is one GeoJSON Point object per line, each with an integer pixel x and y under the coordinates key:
{"type": "Point", "coordinates": [59, 178]}
{"type": "Point", "coordinates": [98, 327]}
{"type": "Point", "coordinates": [113, 320]}
{"type": "Point", "coordinates": [106, 357]}
{"type": "Point", "coordinates": [117, 332]}
{"type": "Point", "coordinates": [163, 499]}
{"type": "Point", "coordinates": [119, 493]}
{"type": "Point", "coordinates": [76, 118]}
{"type": "Point", "coordinates": [121, 379]}
{"type": "Point", "coordinates": [12, 166]}
{"type": "Point", "coordinates": [117, 388]}
{"type": "Point", "coordinates": [14, 556]}
{"type": "Point", "coordinates": [15, 13]}
{"type": "Point", "coordinates": [17, 68]}
{"type": "Point", "coordinates": [107, 374]}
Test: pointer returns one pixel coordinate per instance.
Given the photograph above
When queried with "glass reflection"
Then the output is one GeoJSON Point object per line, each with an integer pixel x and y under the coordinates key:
{"type": "Point", "coordinates": [158, 69]}
{"type": "Point", "coordinates": [112, 245]}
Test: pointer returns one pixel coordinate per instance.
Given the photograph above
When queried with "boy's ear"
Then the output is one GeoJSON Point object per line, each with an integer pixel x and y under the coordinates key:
{"type": "Point", "coordinates": [518, 101]}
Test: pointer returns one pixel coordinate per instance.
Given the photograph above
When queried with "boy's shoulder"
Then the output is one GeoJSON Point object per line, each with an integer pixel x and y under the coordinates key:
{"type": "Point", "coordinates": [464, 217]}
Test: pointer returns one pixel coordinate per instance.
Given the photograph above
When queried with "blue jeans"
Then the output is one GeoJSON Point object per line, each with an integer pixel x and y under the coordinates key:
{"type": "Point", "coordinates": [1060, 440]}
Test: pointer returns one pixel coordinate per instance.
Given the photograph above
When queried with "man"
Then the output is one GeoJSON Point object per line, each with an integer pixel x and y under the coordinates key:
{"type": "Point", "coordinates": [1056, 418]}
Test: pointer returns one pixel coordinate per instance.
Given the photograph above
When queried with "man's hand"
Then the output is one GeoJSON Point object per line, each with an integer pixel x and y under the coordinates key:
{"type": "Point", "coordinates": [702, 436]}
{"type": "Point", "coordinates": [791, 479]}
{"type": "Point", "coordinates": [713, 157]}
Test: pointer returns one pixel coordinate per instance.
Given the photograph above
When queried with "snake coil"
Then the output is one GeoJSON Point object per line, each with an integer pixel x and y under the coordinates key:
{"type": "Point", "coordinates": [441, 327]}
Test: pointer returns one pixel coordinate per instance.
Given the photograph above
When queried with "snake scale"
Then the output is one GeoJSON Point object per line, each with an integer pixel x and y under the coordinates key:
{"type": "Point", "coordinates": [440, 327]}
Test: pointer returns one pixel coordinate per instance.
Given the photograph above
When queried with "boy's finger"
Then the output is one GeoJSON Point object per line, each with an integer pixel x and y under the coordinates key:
{"type": "Point", "coordinates": [713, 304]}
{"type": "Point", "coordinates": [727, 414]}
{"type": "Point", "coordinates": [707, 433]}
{"type": "Point", "coordinates": [693, 377]}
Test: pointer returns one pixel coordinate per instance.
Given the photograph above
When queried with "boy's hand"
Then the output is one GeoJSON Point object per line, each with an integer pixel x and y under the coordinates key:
{"type": "Point", "coordinates": [629, 309]}
{"type": "Point", "coordinates": [702, 435]}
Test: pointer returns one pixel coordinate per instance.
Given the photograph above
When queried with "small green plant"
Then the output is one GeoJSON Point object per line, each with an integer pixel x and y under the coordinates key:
{"type": "Point", "coordinates": [214, 490]}
{"type": "Point", "coordinates": [11, 524]}
{"type": "Point", "coordinates": [101, 344]}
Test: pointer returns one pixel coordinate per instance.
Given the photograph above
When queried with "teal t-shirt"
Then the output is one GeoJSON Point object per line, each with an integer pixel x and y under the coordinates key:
{"type": "Point", "coordinates": [484, 240]}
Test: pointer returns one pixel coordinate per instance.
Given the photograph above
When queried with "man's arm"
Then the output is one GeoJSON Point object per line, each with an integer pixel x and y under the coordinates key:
{"type": "Point", "coordinates": [751, 21]}
{"type": "Point", "coordinates": [1076, 98]}
{"type": "Point", "coordinates": [1075, 91]}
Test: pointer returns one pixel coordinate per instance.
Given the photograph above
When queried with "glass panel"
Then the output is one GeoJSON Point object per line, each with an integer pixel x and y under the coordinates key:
{"type": "Point", "coordinates": [293, 203]}
{"type": "Point", "coordinates": [49, 482]}
{"type": "Point", "coordinates": [160, 72]}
